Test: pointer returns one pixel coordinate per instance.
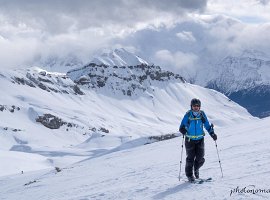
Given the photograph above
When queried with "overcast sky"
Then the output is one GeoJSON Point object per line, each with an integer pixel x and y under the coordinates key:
{"type": "Point", "coordinates": [32, 29]}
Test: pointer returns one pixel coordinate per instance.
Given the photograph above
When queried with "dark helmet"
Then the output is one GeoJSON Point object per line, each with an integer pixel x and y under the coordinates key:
{"type": "Point", "coordinates": [195, 102]}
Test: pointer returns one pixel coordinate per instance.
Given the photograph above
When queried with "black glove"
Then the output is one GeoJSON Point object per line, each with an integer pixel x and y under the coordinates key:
{"type": "Point", "coordinates": [213, 135]}
{"type": "Point", "coordinates": [211, 128]}
{"type": "Point", "coordinates": [183, 130]}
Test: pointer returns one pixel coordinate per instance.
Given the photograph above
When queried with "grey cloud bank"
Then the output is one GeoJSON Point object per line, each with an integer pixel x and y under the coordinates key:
{"type": "Point", "coordinates": [60, 16]}
{"type": "Point", "coordinates": [174, 34]}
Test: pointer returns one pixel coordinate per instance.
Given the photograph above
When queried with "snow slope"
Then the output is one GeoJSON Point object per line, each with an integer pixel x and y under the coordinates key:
{"type": "Point", "coordinates": [119, 57]}
{"type": "Point", "coordinates": [84, 122]}
{"type": "Point", "coordinates": [245, 80]}
{"type": "Point", "coordinates": [234, 73]}
{"type": "Point", "coordinates": [151, 171]}
{"type": "Point", "coordinates": [59, 63]}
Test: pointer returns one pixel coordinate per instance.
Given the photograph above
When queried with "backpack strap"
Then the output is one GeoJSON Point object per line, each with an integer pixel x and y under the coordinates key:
{"type": "Point", "coordinates": [192, 118]}
{"type": "Point", "coordinates": [189, 114]}
{"type": "Point", "coordinates": [202, 116]}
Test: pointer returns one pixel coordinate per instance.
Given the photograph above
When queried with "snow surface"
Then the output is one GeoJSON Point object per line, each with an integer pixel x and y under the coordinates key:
{"type": "Point", "coordinates": [119, 57]}
{"type": "Point", "coordinates": [59, 63]}
{"type": "Point", "coordinates": [151, 171]}
{"type": "Point", "coordinates": [234, 73]}
{"type": "Point", "coordinates": [104, 156]}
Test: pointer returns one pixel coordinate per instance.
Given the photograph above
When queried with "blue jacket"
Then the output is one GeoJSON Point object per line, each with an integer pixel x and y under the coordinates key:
{"type": "Point", "coordinates": [194, 125]}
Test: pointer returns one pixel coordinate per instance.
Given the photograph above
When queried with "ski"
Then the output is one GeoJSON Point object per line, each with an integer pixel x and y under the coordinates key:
{"type": "Point", "coordinates": [200, 180]}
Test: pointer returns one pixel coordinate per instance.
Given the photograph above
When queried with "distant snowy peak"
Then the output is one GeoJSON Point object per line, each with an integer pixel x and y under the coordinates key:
{"type": "Point", "coordinates": [59, 64]}
{"type": "Point", "coordinates": [255, 54]}
{"type": "Point", "coordinates": [63, 64]}
{"type": "Point", "coordinates": [119, 57]}
{"type": "Point", "coordinates": [246, 71]}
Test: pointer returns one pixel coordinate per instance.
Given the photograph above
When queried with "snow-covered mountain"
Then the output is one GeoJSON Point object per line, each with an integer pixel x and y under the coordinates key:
{"type": "Point", "coordinates": [235, 73]}
{"type": "Point", "coordinates": [54, 119]}
{"type": "Point", "coordinates": [60, 64]}
{"type": "Point", "coordinates": [244, 79]}
{"type": "Point", "coordinates": [136, 80]}
{"type": "Point", "coordinates": [119, 57]}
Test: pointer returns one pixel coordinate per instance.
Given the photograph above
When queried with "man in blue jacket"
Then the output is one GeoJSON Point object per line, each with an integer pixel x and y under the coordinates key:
{"type": "Point", "coordinates": [192, 127]}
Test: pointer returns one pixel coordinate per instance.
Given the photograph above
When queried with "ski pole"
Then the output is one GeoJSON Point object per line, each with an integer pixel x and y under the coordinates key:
{"type": "Point", "coordinates": [181, 158]}
{"type": "Point", "coordinates": [219, 160]}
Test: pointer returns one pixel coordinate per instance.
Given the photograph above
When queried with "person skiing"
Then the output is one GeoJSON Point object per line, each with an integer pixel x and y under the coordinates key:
{"type": "Point", "coordinates": [192, 128]}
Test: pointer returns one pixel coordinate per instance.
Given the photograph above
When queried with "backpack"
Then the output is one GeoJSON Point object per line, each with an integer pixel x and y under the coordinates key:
{"type": "Point", "coordinates": [190, 117]}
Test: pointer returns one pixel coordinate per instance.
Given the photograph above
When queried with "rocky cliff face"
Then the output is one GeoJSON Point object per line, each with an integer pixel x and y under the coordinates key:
{"type": "Point", "coordinates": [123, 80]}
{"type": "Point", "coordinates": [48, 81]}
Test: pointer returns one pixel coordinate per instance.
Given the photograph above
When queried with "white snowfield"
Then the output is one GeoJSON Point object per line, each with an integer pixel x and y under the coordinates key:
{"type": "Point", "coordinates": [151, 171]}
{"type": "Point", "coordinates": [101, 152]}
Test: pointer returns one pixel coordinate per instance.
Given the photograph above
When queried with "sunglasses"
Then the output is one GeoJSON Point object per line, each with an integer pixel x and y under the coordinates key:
{"type": "Point", "coordinates": [195, 105]}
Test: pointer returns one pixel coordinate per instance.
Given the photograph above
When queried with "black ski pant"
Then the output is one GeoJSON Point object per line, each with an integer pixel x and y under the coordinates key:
{"type": "Point", "coordinates": [195, 155]}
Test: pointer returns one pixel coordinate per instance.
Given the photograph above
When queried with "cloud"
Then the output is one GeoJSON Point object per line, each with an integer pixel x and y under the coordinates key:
{"type": "Point", "coordinates": [248, 11]}
{"type": "Point", "coordinates": [34, 29]}
{"type": "Point", "coordinates": [163, 32]}
{"type": "Point", "coordinates": [263, 2]}
{"type": "Point", "coordinates": [186, 36]}
{"type": "Point", "coordinates": [228, 36]}
{"type": "Point", "coordinates": [21, 46]}
{"type": "Point", "coordinates": [14, 56]}
{"type": "Point", "coordinates": [58, 16]}
{"type": "Point", "coordinates": [217, 36]}
{"type": "Point", "coordinates": [176, 60]}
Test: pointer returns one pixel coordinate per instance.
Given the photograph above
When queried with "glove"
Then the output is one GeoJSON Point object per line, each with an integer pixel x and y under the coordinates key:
{"type": "Point", "coordinates": [213, 135]}
{"type": "Point", "coordinates": [183, 130]}
{"type": "Point", "coordinates": [211, 128]}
